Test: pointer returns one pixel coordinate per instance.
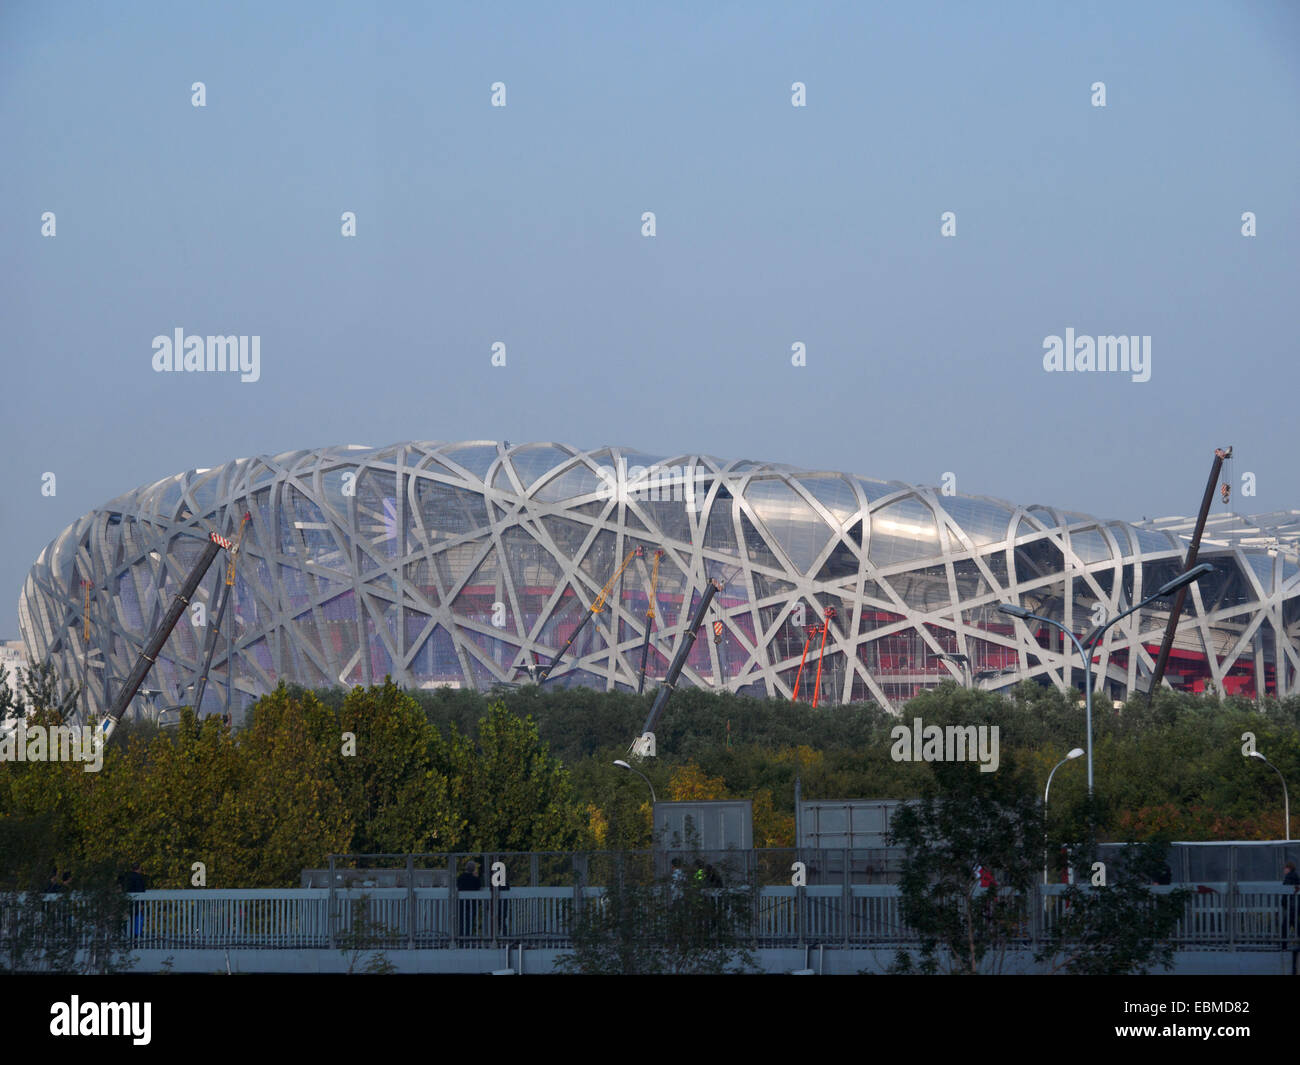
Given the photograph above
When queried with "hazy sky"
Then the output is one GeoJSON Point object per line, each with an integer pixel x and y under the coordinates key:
{"type": "Point", "coordinates": [775, 224]}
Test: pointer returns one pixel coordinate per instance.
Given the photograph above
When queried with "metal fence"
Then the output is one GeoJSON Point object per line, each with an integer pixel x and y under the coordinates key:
{"type": "Point", "coordinates": [427, 918]}
{"type": "Point", "coordinates": [385, 902]}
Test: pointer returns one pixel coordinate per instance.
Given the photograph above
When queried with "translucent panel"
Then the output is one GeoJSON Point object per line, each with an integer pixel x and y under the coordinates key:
{"type": "Point", "coordinates": [454, 563]}
{"type": "Point", "coordinates": [720, 532]}
{"type": "Point", "coordinates": [599, 562]}
{"type": "Point", "coordinates": [670, 519]}
{"type": "Point", "coordinates": [533, 569]}
{"type": "Point", "coordinates": [766, 587]}
{"type": "Point", "coordinates": [1262, 564]}
{"type": "Point", "coordinates": [1152, 542]}
{"type": "Point", "coordinates": [971, 583]}
{"type": "Point", "coordinates": [638, 458]}
{"type": "Point", "coordinates": [204, 494]}
{"type": "Point", "coordinates": [63, 557]}
{"type": "Point", "coordinates": [982, 521]}
{"type": "Point", "coordinates": [533, 463]}
{"type": "Point", "coordinates": [476, 458]}
{"type": "Point", "coordinates": [996, 563]}
{"type": "Point", "coordinates": [1123, 536]}
{"type": "Point", "coordinates": [577, 481]}
{"type": "Point", "coordinates": [841, 564]}
{"type": "Point", "coordinates": [381, 661]}
{"type": "Point", "coordinates": [436, 659]}
{"type": "Point", "coordinates": [923, 589]}
{"type": "Point", "coordinates": [799, 530]}
{"type": "Point", "coordinates": [568, 536]}
{"type": "Point", "coordinates": [903, 531]}
{"type": "Point", "coordinates": [483, 582]}
{"type": "Point", "coordinates": [502, 481]}
{"type": "Point", "coordinates": [450, 511]}
{"type": "Point", "coordinates": [1041, 558]}
{"type": "Point", "coordinates": [834, 493]}
{"type": "Point", "coordinates": [1090, 546]}
{"type": "Point", "coordinates": [874, 490]}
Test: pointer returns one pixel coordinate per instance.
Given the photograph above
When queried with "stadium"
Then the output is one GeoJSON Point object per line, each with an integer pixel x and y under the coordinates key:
{"type": "Point", "coordinates": [473, 564]}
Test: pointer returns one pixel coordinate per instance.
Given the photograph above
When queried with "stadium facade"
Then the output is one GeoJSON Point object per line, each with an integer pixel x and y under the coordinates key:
{"type": "Point", "coordinates": [471, 564]}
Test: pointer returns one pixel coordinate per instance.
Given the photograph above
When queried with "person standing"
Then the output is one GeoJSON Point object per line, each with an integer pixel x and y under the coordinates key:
{"type": "Point", "coordinates": [1290, 904]}
{"type": "Point", "coordinates": [468, 881]}
{"type": "Point", "coordinates": [134, 883]}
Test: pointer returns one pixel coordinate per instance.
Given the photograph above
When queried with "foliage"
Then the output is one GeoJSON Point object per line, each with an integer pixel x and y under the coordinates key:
{"type": "Point", "coordinates": [361, 942]}
{"type": "Point", "coordinates": [1121, 928]}
{"type": "Point", "coordinates": [664, 925]}
{"type": "Point", "coordinates": [82, 929]}
{"type": "Point", "coordinates": [515, 796]}
{"type": "Point", "coordinates": [965, 822]}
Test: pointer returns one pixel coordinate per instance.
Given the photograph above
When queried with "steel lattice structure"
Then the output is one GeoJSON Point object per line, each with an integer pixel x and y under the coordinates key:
{"type": "Point", "coordinates": [470, 564]}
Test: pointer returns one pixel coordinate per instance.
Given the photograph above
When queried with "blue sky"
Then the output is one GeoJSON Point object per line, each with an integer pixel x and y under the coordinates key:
{"type": "Point", "coordinates": [775, 224]}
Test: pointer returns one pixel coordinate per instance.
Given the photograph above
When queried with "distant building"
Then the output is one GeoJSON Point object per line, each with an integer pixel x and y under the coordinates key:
{"type": "Point", "coordinates": [12, 658]}
{"type": "Point", "coordinates": [471, 564]}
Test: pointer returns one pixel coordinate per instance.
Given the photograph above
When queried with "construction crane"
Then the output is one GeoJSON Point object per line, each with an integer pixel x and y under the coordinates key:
{"type": "Point", "coordinates": [826, 620]}
{"type": "Point", "coordinates": [1220, 456]}
{"type": "Point", "coordinates": [597, 605]}
{"type": "Point", "coordinates": [147, 657]}
{"type": "Point", "coordinates": [644, 745]}
{"type": "Point", "coordinates": [649, 620]}
{"type": "Point", "coordinates": [216, 627]}
{"type": "Point", "coordinates": [811, 631]}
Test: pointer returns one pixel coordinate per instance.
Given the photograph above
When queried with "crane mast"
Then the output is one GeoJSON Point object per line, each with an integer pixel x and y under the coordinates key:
{"type": "Point", "coordinates": [644, 745]}
{"type": "Point", "coordinates": [221, 613]}
{"type": "Point", "coordinates": [150, 653]}
{"type": "Point", "coordinates": [649, 621]}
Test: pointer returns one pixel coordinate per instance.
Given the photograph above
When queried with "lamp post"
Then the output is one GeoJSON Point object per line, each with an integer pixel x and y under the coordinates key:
{"type": "Point", "coordinates": [1181, 581]}
{"type": "Point", "coordinates": [964, 662]}
{"type": "Point", "coordinates": [1286, 798]}
{"type": "Point", "coordinates": [624, 765]}
{"type": "Point", "coordinates": [1076, 753]}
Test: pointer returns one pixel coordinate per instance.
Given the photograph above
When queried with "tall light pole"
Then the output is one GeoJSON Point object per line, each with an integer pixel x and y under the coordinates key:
{"type": "Point", "coordinates": [1286, 798]}
{"type": "Point", "coordinates": [632, 769]}
{"type": "Point", "coordinates": [1076, 753]}
{"type": "Point", "coordinates": [1094, 637]}
{"type": "Point", "coordinates": [964, 662]}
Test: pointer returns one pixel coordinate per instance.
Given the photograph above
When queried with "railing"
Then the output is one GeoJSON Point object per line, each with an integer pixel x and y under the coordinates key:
{"type": "Point", "coordinates": [1252, 917]}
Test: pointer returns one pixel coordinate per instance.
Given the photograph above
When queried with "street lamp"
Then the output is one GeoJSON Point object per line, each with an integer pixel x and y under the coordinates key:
{"type": "Point", "coordinates": [1076, 753]}
{"type": "Point", "coordinates": [623, 765]}
{"type": "Point", "coordinates": [1286, 799]}
{"type": "Point", "coordinates": [964, 662]}
{"type": "Point", "coordinates": [1181, 581]}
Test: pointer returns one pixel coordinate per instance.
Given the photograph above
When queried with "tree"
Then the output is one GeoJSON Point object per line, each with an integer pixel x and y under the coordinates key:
{"type": "Point", "coordinates": [665, 925]}
{"type": "Point", "coordinates": [287, 812]}
{"type": "Point", "coordinates": [83, 929]}
{"type": "Point", "coordinates": [395, 782]}
{"type": "Point", "coordinates": [968, 822]}
{"type": "Point", "coordinates": [1117, 925]}
{"type": "Point", "coordinates": [512, 794]}
{"type": "Point", "coordinates": [40, 690]}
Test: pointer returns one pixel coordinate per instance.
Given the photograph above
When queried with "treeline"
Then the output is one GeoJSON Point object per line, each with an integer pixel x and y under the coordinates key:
{"type": "Point", "coordinates": [302, 780]}
{"type": "Point", "coordinates": [384, 770]}
{"type": "Point", "coordinates": [1174, 768]}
